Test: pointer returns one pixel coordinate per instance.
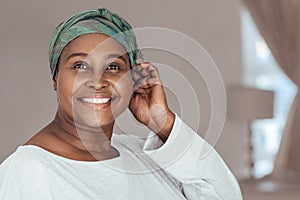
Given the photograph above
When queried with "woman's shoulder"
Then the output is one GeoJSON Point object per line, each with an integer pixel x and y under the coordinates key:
{"type": "Point", "coordinates": [27, 162]}
{"type": "Point", "coordinates": [22, 167]}
{"type": "Point", "coordinates": [23, 174]}
{"type": "Point", "coordinates": [23, 158]}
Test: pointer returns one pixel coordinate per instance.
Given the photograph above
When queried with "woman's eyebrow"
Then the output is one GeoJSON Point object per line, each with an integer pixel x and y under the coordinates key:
{"type": "Point", "coordinates": [77, 54]}
{"type": "Point", "coordinates": [109, 56]}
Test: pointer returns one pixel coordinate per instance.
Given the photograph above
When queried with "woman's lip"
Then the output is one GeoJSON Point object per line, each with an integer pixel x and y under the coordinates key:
{"type": "Point", "coordinates": [97, 103]}
{"type": "Point", "coordinates": [96, 100]}
{"type": "Point", "coordinates": [95, 95]}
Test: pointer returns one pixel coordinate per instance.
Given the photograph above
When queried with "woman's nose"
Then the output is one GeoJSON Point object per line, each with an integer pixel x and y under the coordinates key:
{"type": "Point", "coordinates": [98, 83]}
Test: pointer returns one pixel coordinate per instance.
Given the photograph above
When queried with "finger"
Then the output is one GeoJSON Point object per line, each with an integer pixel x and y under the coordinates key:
{"type": "Point", "coordinates": [144, 65]}
{"type": "Point", "coordinates": [154, 73]}
{"type": "Point", "coordinates": [140, 76]}
{"type": "Point", "coordinates": [150, 69]}
{"type": "Point", "coordinates": [148, 66]}
{"type": "Point", "coordinates": [145, 76]}
{"type": "Point", "coordinates": [141, 84]}
{"type": "Point", "coordinates": [144, 73]}
{"type": "Point", "coordinates": [140, 91]}
{"type": "Point", "coordinates": [147, 83]}
{"type": "Point", "coordinates": [136, 76]}
{"type": "Point", "coordinates": [141, 71]}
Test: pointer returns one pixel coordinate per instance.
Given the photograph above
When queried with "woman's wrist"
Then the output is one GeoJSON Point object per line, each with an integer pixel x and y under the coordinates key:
{"type": "Point", "coordinates": [162, 126]}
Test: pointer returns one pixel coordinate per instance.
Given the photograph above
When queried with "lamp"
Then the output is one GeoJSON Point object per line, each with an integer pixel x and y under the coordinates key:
{"type": "Point", "coordinates": [247, 104]}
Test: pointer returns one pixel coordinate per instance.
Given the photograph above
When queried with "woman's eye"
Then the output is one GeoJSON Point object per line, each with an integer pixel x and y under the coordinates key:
{"type": "Point", "coordinates": [113, 68]}
{"type": "Point", "coordinates": [81, 66]}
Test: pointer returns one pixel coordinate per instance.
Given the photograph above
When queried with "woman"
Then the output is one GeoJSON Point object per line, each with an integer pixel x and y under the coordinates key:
{"type": "Point", "coordinates": [96, 75]}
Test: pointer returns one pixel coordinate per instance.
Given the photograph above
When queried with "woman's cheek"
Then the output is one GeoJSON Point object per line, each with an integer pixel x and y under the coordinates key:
{"type": "Point", "coordinates": [123, 89]}
{"type": "Point", "coordinates": [126, 87]}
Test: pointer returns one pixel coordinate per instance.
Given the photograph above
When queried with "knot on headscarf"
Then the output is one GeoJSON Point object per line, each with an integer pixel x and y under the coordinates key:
{"type": "Point", "coordinates": [93, 21]}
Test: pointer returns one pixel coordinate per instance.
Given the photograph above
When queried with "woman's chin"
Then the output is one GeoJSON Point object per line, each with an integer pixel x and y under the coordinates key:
{"type": "Point", "coordinates": [93, 119]}
{"type": "Point", "coordinates": [93, 122]}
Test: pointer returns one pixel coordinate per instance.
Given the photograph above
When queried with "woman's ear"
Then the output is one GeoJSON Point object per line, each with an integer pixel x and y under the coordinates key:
{"type": "Point", "coordinates": [54, 83]}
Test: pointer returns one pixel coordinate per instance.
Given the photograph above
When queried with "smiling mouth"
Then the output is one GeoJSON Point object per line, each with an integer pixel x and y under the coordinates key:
{"type": "Point", "coordinates": [96, 100]}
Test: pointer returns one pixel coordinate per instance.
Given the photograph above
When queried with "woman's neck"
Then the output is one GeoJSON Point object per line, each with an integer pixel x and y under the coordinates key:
{"type": "Point", "coordinates": [94, 141]}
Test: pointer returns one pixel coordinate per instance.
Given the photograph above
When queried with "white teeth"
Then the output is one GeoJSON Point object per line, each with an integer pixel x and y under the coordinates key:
{"type": "Point", "coordinates": [96, 100]}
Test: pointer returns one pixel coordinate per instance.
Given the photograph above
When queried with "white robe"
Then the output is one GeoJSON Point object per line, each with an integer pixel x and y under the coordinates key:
{"type": "Point", "coordinates": [145, 169]}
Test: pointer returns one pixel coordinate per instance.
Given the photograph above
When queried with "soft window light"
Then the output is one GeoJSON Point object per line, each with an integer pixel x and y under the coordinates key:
{"type": "Point", "coordinates": [261, 49]}
{"type": "Point", "coordinates": [261, 71]}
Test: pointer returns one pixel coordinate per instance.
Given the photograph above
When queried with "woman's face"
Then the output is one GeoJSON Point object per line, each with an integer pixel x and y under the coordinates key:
{"type": "Point", "coordinates": [93, 82]}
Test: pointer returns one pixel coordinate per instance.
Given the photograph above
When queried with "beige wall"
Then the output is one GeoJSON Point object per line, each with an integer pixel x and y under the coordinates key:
{"type": "Point", "coordinates": [28, 102]}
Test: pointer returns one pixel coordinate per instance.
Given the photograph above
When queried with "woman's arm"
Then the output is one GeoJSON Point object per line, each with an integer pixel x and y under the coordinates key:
{"type": "Point", "coordinates": [175, 147]}
{"type": "Point", "coordinates": [189, 159]}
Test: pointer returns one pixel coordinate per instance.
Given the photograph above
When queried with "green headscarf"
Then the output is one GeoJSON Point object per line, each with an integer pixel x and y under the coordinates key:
{"type": "Point", "coordinates": [93, 21]}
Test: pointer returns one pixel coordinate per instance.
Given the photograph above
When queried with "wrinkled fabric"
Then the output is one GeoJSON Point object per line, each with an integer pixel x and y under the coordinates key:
{"type": "Point", "coordinates": [146, 169]}
{"type": "Point", "coordinates": [93, 21]}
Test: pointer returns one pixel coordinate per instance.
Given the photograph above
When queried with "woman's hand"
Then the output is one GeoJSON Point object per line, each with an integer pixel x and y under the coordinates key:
{"type": "Point", "coordinates": [148, 103]}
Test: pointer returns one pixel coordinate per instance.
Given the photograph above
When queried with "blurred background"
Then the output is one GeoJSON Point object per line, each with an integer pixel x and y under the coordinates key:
{"type": "Point", "coordinates": [255, 45]}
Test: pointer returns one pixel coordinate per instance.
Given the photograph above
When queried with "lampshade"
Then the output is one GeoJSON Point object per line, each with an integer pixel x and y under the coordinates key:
{"type": "Point", "coordinates": [246, 104]}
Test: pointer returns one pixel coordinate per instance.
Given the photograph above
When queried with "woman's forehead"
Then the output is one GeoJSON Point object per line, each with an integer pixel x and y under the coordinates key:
{"type": "Point", "coordinates": [94, 44]}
